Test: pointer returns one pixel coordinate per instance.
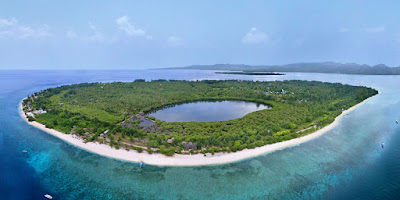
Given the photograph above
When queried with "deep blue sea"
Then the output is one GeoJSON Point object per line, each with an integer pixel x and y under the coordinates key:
{"type": "Point", "coordinates": [345, 163]}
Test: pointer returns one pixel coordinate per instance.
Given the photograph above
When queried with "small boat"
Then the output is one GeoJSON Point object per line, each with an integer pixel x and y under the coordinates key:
{"type": "Point", "coordinates": [397, 122]}
{"type": "Point", "coordinates": [382, 145]}
{"type": "Point", "coordinates": [48, 196]}
{"type": "Point", "coordinates": [24, 151]}
{"type": "Point", "coordinates": [141, 164]}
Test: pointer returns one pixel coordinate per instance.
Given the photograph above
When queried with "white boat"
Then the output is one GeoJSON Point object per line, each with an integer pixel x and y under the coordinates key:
{"type": "Point", "coordinates": [48, 196]}
{"type": "Point", "coordinates": [397, 122]}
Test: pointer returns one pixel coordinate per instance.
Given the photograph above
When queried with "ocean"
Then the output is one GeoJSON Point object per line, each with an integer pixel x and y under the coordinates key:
{"type": "Point", "coordinates": [347, 162]}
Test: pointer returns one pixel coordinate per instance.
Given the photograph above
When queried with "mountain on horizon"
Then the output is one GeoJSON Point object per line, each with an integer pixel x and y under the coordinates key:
{"type": "Point", "coordinates": [317, 67]}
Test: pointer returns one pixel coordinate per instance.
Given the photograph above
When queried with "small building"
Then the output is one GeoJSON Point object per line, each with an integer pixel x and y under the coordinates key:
{"type": "Point", "coordinates": [266, 93]}
{"type": "Point", "coordinates": [38, 112]}
{"type": "Point", "coordinates": [141, 113]}
{"type": "Point", "coordinates": [30, 114]}
{"type": "Point", "coordinates": [190, 145]}
{"type": "Point", "coordinates": [170, 140]}
{"type": "Point", "coordinates": [61, 104]}
{"type": "Point", "coordinates": [105, 132]}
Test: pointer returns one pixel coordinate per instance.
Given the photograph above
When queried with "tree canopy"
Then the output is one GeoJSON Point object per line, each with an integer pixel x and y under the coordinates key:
{"type": "Point", "coordinates": [114, 113]}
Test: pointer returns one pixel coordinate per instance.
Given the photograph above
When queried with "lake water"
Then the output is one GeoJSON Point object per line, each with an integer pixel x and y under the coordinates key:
{"type": "Point", "coordinates": [207, 111]}
{"type": "Point", "coordinates": [345, 163]}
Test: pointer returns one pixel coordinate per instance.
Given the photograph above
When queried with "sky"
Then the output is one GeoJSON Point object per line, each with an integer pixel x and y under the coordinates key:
{"type": "Point", "coordinates": [48, 34]}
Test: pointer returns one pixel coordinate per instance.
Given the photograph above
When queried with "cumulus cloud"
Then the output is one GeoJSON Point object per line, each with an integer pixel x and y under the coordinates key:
{"type": "Point", "coordinates": [71, 34]}
{"type": "Point", "coordinates": [11, 28]}
{"type": "Point", "coordinates": [375, 29]}
{"type": "Point", "coordinates": [130, 30]}
{"type": "Point", "coordinates": [254, 36]}
{"type": "Point", "coordinates": [8, 22]}
{"type": "Point", "coordinates": [175, 41]}
{"type": "Point", "coordinates": [96, 36]}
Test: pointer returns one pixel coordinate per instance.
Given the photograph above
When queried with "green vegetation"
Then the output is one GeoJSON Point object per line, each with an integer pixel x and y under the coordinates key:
{"type": "Point", "coordinates": [114, 113]}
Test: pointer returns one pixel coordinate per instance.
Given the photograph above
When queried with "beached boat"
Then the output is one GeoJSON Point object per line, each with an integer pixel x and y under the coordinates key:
{"type": "Point", "coordinates": [48, 196]}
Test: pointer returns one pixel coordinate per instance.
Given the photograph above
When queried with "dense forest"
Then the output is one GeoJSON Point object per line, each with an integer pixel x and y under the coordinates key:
{"type": "Point", "coordinates": [115, 113]}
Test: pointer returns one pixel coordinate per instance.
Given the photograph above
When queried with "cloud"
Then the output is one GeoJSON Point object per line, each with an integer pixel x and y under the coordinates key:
{"type": "Point", "coordinates": [343, 30]}
{"type": "Point", "coordinates": [71, 35]}
{"type": "Point", "coordinates": [175, 41]}
{"type": "Point", "coordinates": [254, 36]}
{"type": "Point", "coordinates": [97, 36]}
{"type": "Point", "coordinates": [377, 29]}
{"type": "Point", "coordinates": [8, 22]}
{"type": "Point", "coordinates": [11, 28]}
{"type": "Point", "coordinates": [130, 30]}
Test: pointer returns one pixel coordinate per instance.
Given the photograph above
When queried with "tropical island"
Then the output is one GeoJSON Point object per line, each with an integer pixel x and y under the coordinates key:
{"type": "Point", "coordinates": [115, 113]}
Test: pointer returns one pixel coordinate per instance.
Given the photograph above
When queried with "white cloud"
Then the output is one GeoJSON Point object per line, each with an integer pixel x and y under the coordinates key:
{"type": "Point", "coordinates": [97, 36]}
{"type": "Point", "coordinates": [8, 22]}
{"type": "Point", "coordinates": [254, 36]}
{"type": "Point", "coordinates": [125, 25]}
{"type": "Point", "coordinates": [175, 41]}
{"type": "Point", "coordinates": [344, 30]}
{"type": "Point", "coordinates": [11, 28]}
{"type": "Point", "coordinates": [375, 29]}
{"type": "Point", "coordinates": [71, 34]}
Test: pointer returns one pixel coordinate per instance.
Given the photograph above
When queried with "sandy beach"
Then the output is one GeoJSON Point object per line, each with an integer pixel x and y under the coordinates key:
{"type": "Point", "coordinates": [178, 159]}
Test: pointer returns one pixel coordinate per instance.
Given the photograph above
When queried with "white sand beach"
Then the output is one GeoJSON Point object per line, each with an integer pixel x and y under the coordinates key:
{"type": "Point", "coordinates": [178, 159]}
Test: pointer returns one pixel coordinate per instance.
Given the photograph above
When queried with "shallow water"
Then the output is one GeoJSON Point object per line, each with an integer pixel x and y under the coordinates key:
{"type": "Point", "coordinates": [345, 163]}
{"type": "Point", "coordinates": [207, 111]}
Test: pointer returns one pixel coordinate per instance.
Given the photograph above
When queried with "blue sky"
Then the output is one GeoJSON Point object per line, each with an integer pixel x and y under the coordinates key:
{"type": "Point", "coordinates": [48, 34]}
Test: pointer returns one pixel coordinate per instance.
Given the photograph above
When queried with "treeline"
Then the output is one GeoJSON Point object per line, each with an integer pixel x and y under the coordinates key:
{"type": "Point", "coordinates": [96, 107]}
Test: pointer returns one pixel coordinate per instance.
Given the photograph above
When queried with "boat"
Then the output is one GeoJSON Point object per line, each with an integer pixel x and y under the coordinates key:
{"type": "Point", "coordinates": [48, 196]}
{"type": "Point", "coordinates": [141, 164]}
{"type": "Point", "coordinates": [397, 122]}
{"type": "Point", "coordinates": [24, 151]}
{"type": "Point", "coordinates": [382, 144]}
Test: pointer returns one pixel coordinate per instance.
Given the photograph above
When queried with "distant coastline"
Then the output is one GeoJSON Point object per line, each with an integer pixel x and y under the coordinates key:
{"type": "Point", "coordinates": [251, 73]}
{"type": "Point", "coordinates": [178, 159]}
{"type": "Point", "coordinates": [307, 67]}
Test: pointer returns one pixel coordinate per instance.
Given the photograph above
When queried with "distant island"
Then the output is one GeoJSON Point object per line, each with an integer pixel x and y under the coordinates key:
{"type": "Point", "coordinates": [319, 67]}
{"type": "Point", "coordinates": [251, 73]}
{"type": "Point", "coordinates": [115, 115]}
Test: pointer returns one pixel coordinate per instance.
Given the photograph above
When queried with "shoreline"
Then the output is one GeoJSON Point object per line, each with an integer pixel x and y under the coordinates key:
{"type": "Point", "coordinates": [179, 159]}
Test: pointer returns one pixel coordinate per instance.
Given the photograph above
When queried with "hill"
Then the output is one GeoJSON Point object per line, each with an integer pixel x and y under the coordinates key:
{"type": "Point", "coordinates": [320, 67]}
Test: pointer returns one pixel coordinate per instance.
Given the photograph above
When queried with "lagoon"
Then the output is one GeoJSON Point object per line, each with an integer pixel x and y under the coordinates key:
{"type": "Point", "coordinates": [207, 111]}
{"type": "Point", "coordinates": [345, 163]}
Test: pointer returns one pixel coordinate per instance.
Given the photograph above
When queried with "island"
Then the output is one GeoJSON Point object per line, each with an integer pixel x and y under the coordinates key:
{"type": "Point", "coordinates": [310, 67]}
{"type": "Point", "coordinates": [251, 73]}
{"type": "Point", "coordinates": [111, 119]}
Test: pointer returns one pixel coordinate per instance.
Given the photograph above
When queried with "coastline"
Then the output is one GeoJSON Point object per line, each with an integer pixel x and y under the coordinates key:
{"type": "Point", "coordinates": [178, 159]}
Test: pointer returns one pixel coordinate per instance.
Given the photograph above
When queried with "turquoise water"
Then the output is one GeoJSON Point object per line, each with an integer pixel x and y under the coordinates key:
{"type": "Point", "coordinates": [207, 111]}
{"type": "Point", "coordinates": [345, 163]}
